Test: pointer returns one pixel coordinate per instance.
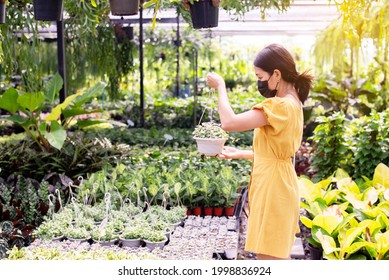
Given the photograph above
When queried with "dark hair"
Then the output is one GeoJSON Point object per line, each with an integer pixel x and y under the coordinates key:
{"type": "Point", "coordinates": [277, 57]}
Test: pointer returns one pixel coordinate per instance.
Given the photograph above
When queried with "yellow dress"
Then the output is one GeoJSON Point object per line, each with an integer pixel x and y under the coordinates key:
{"type": "Point", "coordinates": [273, 191]}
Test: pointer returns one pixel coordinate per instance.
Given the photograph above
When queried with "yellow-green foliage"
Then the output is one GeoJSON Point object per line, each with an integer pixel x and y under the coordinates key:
{"type": "Point", "coordinates": [349, 221]}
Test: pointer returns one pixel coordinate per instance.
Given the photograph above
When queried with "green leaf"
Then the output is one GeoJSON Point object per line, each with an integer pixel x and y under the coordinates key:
{"type": "Point", "coordinates": [57, 110]}
{"type": "Point", "coordinates": [326, 222]}
{"type": "Point", "coordinates": [52, 88]}
{"type": "Point", "coordinates": [31, 101]}
{"type": "Point", "coordinates": [86, 123]}
{"type": "Point", "coordinates": [327, 242]}
{"type": "Point", "coordinates": [56, 136]}
{"type": "Point", "coordinates": [17, 119]}
{"type": "Point", "coordinates": [8, 101]}
{"type": "Point", "coordinates": [306, 222]}
{"type": "Point", "coordinates": [149, 4]}
{"type": "Point", "coordinates": [381, 176]}
{"type": "Point", "coordinates": [67, 113]}
{"type": "Point", "coordinates": [88, 94]}
{"type": "Point", "coordinates": [357, 246]}
{"type": "Point", "coordinates": [383, 244]}
{"type": "Point", "coordinates": [308, 190]}
{"type": "Point", "coordinates": [351, 235]}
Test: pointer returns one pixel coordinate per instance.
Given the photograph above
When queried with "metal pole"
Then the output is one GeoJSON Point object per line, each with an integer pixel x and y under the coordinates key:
{"type": "Point", "coordinates": [142, 98]}
{"type": "Point", "coordinates": [195, 87]}
{"type": "Point", "coordinates": [61, 59]}
{"type": "Point", "coordinates": [178, 56]}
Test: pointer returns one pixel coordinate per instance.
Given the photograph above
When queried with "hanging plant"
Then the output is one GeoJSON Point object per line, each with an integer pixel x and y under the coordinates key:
{"type": "Point", "coordinates": [48, 10]}
{"type": "Point", "coordinates": [124, 7]}
{"type": "Point", "coordinates": [210, 138]}
{"type": "Point", "coordinates": [204, 13]}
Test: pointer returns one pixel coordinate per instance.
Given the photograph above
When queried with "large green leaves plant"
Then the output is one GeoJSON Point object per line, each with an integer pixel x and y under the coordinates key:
{"type": "Point", "coordinates": [329, 146]}
{"type": "Point", "coordinates": [356, 225]}
{"type": "Point", "coordinates": [50, 130]}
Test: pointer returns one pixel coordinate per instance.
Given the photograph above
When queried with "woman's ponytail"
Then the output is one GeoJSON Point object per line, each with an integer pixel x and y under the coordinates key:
{"type": "Point", "coordinates": [303, 84]}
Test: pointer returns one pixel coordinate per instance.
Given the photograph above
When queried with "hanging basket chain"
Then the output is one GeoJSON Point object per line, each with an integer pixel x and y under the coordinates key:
{"type": "Point", "coordinates": [205, 107]}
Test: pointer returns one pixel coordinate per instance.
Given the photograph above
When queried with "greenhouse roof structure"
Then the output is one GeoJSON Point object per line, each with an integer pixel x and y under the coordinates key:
{"type": "Point", "coordinates": [304, 17]}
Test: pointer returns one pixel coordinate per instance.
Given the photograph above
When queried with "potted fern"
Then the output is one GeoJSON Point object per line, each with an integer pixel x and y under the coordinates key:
{"type": "Point", "coordinates": [210, 138]}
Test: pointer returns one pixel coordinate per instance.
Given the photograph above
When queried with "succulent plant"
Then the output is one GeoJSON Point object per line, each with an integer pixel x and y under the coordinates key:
{"type": "Point", "coordinates": [209, 130]}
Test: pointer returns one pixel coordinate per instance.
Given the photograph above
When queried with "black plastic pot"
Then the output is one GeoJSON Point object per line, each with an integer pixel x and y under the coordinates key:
{"type": "Point", "coordinates": [124, 33]}
{"type": "Point", "coordinates": [204, 14]}
{"type": "Point", "coordinates": [2, 13]}
{"type": "Point", "coordinates": [124, 7]}
{"type": "Point", "coordinates": [48, 10]}
{"type": "Point", "coordinates": [316, 253]}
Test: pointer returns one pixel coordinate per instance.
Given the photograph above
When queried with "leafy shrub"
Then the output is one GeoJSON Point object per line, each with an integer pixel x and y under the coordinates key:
{"type": "Point", "coordinates": [356, 146]}
{"type": "Point", "coordinates": [77, 157]}
{"type": "Point", "coordinates": [329, 145]}
{"type": "Point", "coordinates": [370, 143]}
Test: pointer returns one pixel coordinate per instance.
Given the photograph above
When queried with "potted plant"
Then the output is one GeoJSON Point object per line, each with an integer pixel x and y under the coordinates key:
{"type": "Point", "coordinates": [210, 138]}
{"type": "Point", "coordinates": [77, 234]}
{"type": "Point", "coordinates": [154, 239]}
{"type": "Point", "coordinates": [48, 10]}
{"type": "Point", "coordinates": [26, 108]}
{"type": "Point", "coordinates": [231, 251]}
{"type": "Point", "coordinates": [2, 11]}
{"type": "Point", "coordinates": [50, 230]}
{"type": "Point", "coordinates": [204, 13]}
{"type": "Point", "coordinates": [124, 7]}
{"type": "Point", "coordinates": [105, 236]}
{"type": "Point", "coordinates": [131, 237]}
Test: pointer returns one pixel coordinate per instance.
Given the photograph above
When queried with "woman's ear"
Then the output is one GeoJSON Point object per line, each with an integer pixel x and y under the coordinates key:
{"type": "Point", "coordinates": [277, 74]}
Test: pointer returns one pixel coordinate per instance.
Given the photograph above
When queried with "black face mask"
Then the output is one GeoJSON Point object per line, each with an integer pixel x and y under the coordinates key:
{"type": "Point", "coordinates": [263, 88]}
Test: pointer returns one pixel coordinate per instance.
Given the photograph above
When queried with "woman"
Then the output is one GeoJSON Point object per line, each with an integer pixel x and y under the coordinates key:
{"type": "Point", "coordinates": [278, 125]}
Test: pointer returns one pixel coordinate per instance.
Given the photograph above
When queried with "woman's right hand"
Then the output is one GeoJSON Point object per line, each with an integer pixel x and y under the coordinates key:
{"type": "Point", "coordinates": [230, 153]}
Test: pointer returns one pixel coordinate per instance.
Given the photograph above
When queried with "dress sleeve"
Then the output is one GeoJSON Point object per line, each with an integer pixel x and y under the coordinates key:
{"type": "Point", "coordinates": [276, 113]}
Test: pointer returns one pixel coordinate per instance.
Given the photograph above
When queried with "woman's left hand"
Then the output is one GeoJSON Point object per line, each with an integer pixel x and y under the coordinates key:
{"type": "Point", "coordinates": [214, 80]}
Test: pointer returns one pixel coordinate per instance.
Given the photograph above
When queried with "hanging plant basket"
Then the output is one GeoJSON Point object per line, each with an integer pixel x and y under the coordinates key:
{"type": "Point", "coordinates": [210, 147]}
{"type": "Point", "coordinates": [204, 13]}
{"type": "Point", "coordinates": [155, 244]}
{"type": "Point", "coordinates": [48, 10]}
{"type": "Point", "coordinates": [124, 7]}
{"type": "Point", "coordinates": [2, 11]}
{"type": "Point", "coordinates": [210, 138]}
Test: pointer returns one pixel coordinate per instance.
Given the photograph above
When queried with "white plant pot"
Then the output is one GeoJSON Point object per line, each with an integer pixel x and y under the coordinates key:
{"type": "Point", "coordinates": [231, 253]}
{"type": "Point", "coordinates": [210, 146]}
{"type": "Point", "coordinates": [130, 242]}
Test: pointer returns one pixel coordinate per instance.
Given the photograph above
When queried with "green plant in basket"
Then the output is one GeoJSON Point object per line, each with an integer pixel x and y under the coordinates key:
{"type": "Point", "coordinates": [210, 138]}
{"type": "Point", "coordinates": [210, 130]}
{"type": "Point", "coordinates": [104, 234]}
{"type": "Point", "coordinates": [154, 236]}
{"type": "Point", "coordinates": [131, 233]}
{"type": "Point", "coordinates": [77, 233]}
